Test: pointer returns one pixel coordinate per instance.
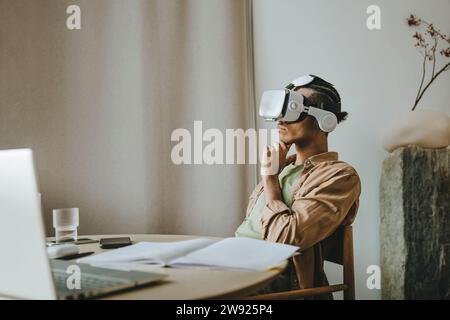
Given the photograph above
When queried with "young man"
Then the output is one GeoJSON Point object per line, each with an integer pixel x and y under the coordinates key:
{"type": "Point", "coordinates": [313, 194]}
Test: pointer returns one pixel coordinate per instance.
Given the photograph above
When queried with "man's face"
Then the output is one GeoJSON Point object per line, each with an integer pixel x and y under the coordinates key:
{"type": "Point", "coordinates": [299, 132]}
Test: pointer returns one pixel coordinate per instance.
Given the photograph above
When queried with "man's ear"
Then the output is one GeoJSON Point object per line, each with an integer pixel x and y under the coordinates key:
{"type": "Point", "coordinates": [316, 124]}
{"type": "Point", "coordinates": [317, 127]}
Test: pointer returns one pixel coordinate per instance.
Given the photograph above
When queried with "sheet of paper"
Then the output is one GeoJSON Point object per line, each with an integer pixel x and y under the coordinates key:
{"type": "Point", "coordinates": [238, 253]}
{"type": "Point", "coordinates": [147, 252]}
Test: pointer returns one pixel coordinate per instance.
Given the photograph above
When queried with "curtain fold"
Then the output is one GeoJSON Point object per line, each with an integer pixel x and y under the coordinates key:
{"type": "Point", "coordinates": [98, 106]}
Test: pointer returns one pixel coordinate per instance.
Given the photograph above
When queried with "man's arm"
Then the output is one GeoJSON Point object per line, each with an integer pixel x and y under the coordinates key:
{"type": "Point", "coordinates": [312, 217]}
{"type": "Point", "coordinates": [272, 189]}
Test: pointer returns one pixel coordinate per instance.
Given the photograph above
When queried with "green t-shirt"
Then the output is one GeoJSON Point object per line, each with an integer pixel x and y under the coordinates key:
{"type": "Point", "coordinates": [251, 226]}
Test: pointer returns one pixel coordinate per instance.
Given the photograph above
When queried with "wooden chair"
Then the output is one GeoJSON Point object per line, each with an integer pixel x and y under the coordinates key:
{"type": "Point", "coordinates": [341, 253]}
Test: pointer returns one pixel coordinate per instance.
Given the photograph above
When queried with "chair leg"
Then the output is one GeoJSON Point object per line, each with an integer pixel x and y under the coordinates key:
{"type": "Point", "coordinates": [349, 268]}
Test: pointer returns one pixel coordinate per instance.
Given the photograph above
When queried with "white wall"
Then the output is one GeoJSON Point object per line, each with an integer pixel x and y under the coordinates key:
{"type": "Point", "coordinates": [376, 72]}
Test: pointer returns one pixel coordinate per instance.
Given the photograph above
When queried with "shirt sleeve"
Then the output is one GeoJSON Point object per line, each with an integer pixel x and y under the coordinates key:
{"type": "Point", "coordinates": [313, 216]}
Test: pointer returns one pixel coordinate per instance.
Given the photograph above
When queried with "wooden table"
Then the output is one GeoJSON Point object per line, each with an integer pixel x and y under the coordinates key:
{"type": "Point", "coordinates": [190, 283]}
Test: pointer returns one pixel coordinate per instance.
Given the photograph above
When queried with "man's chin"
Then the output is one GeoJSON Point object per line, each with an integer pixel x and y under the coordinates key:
{"type": "Point", "coordinates": [286, 140]}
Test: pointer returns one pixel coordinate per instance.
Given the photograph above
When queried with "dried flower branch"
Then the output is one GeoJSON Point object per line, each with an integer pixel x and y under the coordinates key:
{"type": "Point", "coordinates": [428, 52]}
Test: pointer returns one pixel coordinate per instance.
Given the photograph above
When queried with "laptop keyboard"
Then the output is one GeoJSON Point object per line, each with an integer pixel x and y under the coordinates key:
{"type": "Point", "coordinates": [95, 281]}
{"type": "Point", "coordinates": [88, 283]}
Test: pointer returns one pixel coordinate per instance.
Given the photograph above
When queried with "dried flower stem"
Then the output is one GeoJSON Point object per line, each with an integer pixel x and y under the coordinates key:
{"type": "Point", "coordinates": [434, 56]}
{"type": "Point", "coordinates": [445, 68]}
{"type": "Point", "coordinates": [424, 64]}
{"type": "Point", "coordinates": [429, 53]}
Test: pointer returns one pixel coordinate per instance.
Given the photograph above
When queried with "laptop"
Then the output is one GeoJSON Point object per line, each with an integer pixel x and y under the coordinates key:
{"type": "Point", "coordinates": [25, 270]}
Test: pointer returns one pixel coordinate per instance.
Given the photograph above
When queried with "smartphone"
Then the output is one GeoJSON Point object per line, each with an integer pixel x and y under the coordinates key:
{"type": "Point", "coordinates": [113, 243]}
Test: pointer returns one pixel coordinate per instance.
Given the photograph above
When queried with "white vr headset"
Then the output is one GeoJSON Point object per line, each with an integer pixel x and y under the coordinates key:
{"type": "Point", "coordinates": [289, 106]}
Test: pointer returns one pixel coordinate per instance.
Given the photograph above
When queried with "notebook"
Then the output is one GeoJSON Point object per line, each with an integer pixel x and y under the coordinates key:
{"type": "Point", "coordinates": [230, 253]}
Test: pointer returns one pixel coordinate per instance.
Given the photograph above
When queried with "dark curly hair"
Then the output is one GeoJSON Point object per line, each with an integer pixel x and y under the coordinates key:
{"type": "Point", "coordinates": [324, 96]}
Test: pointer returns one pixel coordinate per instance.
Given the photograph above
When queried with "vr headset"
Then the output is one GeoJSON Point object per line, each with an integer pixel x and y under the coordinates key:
{"type": "Point", "coordinates": [290, 106]}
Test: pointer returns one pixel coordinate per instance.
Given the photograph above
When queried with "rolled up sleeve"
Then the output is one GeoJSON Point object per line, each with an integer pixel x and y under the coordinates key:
{"type": "Point", "coordinates": [313, 216]}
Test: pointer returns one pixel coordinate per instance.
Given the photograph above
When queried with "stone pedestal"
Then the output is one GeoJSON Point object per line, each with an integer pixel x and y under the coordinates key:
{"type": "Point", "coordinates": [415, 224]}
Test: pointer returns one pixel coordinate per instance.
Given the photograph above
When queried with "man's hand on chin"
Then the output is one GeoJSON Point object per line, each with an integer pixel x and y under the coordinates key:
{"type": "Point", "coordinates": [273, 160]}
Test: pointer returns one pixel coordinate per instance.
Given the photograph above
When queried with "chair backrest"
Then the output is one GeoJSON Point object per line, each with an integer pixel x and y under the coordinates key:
{"type": "Point", "coordinates": [338, 248]}
{"type": "Point", "coordinates": [333, 246]}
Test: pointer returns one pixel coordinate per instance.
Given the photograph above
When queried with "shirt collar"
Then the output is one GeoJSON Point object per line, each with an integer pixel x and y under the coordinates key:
{"type": "Point", "coordinates": [318, 158]}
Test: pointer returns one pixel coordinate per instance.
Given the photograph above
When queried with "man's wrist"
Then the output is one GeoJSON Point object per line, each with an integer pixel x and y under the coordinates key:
{"type": "Point", "coordinates": [270, 178]}
{"type": "Point", "coordinates": [272, 189]}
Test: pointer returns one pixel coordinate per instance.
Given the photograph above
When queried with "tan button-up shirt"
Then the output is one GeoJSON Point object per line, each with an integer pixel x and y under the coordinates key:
{"type": "Point", "coordinates": [325, 197]}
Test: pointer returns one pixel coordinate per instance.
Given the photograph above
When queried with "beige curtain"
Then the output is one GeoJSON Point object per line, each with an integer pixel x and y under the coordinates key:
{"type": "Point", "coordinates": [98, 106]}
